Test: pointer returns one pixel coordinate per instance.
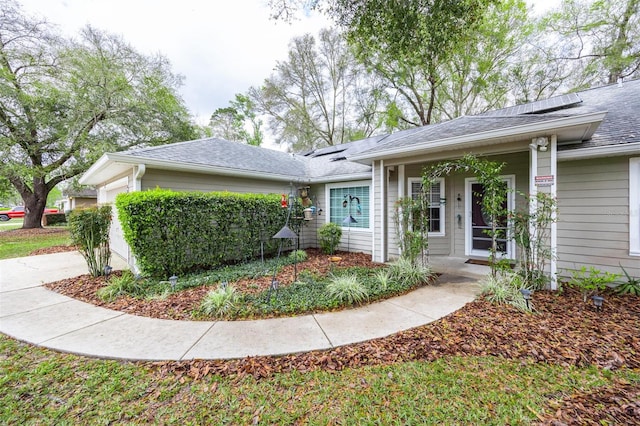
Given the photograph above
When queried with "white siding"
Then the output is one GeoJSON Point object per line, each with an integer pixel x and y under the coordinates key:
{"type": "Point", "coordinates": [593, 215]}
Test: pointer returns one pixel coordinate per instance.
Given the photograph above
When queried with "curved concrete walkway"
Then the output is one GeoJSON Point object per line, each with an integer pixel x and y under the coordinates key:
{"type": "Point", "coordinates": [31, 313]}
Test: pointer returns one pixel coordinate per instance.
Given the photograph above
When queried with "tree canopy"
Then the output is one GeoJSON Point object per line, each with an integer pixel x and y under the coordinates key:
{"type": "Point", "coordinates": [64, 102]}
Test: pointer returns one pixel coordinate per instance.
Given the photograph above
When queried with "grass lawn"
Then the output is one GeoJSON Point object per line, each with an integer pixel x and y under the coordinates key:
{"type": "Point", "coordinates": [38, 386]}
{"type": "Point", "coordinates": [19, 244]}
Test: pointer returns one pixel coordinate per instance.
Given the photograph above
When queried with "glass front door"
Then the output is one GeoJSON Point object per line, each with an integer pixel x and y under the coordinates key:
{"type": "Point", "coordinates": [480, 225]}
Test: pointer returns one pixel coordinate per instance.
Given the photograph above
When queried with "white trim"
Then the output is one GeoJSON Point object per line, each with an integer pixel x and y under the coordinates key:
{"type": "Point", "coordinates": [511, 201]}
{"type": "Point", "coordinates": [443, 207]}
{"type": "Point", "coordinates": [93, 175]}
{"type": "Point", "coordinates": [330, 186]}
{"type": "Point", "coordinates": [509, 133]}
{"type": "Point", "coordinates": [634, 206]}
{"type": "Point", "coordinates": [553, 263]}
{"type": "Point", "coordinates": [383, 229]}
{"type": "Point", "coordinates": [372, 176]}
{"type": "Point", "coordinates": [599, 151]}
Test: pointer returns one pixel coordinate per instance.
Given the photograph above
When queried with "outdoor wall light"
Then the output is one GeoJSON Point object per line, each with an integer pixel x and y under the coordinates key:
{"type": "Point", "coordinates": [173, 280]}
{"type": "Point", "coordinates": [540, 143]}
{"type": "Point", "coordinates": [443, 201]}
{"type": "Point", "coordinates": [526, 293]}
{"type": "Point", "coordinates": [597, 302]}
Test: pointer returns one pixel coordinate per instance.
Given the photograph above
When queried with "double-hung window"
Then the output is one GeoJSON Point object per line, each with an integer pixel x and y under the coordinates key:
{"type": "Point", "coordinates": [349, 206]}
{"type": "Point", "coordinates": [435, 197]}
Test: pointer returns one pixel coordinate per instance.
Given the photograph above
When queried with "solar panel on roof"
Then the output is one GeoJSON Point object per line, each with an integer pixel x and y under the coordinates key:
{"type": "Point", "coordinates": [538, 107]}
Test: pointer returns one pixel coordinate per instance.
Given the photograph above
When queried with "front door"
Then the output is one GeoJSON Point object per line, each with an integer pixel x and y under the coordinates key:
{"type": "Point", "coordinates": [478, 237]}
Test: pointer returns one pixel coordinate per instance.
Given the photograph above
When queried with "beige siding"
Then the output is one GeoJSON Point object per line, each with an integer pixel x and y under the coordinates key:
{"type": "Point", "coordinates": [593, 215]}
{"type": "Point", "coordinates": [180, 181]}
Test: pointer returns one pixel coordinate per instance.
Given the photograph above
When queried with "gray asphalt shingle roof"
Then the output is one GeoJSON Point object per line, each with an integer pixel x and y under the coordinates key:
{"type": "Point", "coordinates": [622, 123]}
{"type": "Point", "coordinates": [237, 156]}
{"type": "Point", "coordinates": [620, 126]}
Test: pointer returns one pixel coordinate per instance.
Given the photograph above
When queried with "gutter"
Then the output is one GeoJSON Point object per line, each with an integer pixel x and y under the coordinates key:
{"type": "Point", "coordinates": [599, 152]}
{"type": "Point", "coordinates": [144, 163]}
{"type": "Point", "coordinates": [456, 141]}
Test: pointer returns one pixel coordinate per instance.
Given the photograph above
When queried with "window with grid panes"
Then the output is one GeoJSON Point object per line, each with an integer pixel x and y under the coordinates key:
{"type": "Point", "coordinates": [436, 208]}
{"type": "Point", "coordinates": [352, 200]}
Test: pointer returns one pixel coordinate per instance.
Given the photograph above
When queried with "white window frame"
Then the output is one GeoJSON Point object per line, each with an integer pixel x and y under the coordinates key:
{"type": "Point", "coordinates": [330, 186]}
{"type": "Point", "coordinates": [443, 210]}
{"type": "Point", "coordinates": [634, 206]}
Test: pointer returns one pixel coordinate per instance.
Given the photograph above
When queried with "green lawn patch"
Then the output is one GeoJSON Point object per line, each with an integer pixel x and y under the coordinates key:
{"type": "Point", "coordinates": [38, 386]}
{"type": "Point", "coordinates": [19, 244]}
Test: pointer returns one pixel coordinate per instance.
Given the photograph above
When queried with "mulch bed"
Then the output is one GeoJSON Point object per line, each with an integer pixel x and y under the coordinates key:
{"type": "Point", "coordinates": [180, 305]}
{"type": "Point", "coordinates": [563, 331]}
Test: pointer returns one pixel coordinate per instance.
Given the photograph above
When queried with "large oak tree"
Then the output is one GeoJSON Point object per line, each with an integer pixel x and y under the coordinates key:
{"type": "Point", "coordinates": [64, 102]}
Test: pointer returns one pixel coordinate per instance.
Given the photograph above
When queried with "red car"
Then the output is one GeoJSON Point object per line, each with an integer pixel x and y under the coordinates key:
{"type": "Point", "coordinates": [18, 212]}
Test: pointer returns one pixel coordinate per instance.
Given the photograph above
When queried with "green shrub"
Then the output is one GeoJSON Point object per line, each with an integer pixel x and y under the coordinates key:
{"type": "Point", "coordinates": [347, 288]}
{"type": "Point", "coordinates": [89, 230]}
{"type": "Point", "coordinates": [505, 289]}
{"type": "Point", "coordinates": [590, 281]}
{"type": "Point", "coordinates": [220, 302]}
{"type": "Point", "coordinates": [50, 219]}
{"type": "Point", "coordinates": [629, 286]}
{"type": "Point", "coordinates": [329, 235]}
{"type": "Point", "coordinates": [179, 232]}
{"type": "Point", "coordinates": [298, 255]}
{"type": "Point", "coordinates": [405, 271]}
{"type": "Point", "coordinates": [125, 284]}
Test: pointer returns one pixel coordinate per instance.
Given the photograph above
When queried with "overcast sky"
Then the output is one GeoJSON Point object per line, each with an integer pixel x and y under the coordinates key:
{"type": "Point", "coordinates": [221, 47]}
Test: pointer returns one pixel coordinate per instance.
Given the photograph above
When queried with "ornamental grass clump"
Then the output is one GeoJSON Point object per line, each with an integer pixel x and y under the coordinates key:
{"type": "Point", "coordinates": [505, 289]}
{"type": "Point", "coordinates": [89, 230]}
{"type": "Point", "coordinates": [347, 288]}
{"type": "Point", "coordinates": [298, 255]}
{"type": "Point", "coordinates": [125, 284]}
{"type": "Point", "coordinates": [220, 302]}
{"type": "Point", "coordinates": [410, 274]}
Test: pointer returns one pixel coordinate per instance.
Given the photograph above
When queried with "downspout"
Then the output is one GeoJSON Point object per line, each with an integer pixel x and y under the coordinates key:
{"type": "Point", "coordinates": [137, 184]}
{"type": "Point", "coordinates": [554, 225]}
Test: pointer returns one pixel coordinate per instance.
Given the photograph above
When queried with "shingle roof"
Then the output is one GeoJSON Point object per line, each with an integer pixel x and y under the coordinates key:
{"type": "Point", "coordinates": [216, 152]}
{"type": "Point", "coordinates": [237, 156]}
{"type": "Point", "coordinates": [622, 123]}
{"type": "Point", "coordinates": [620, 126]}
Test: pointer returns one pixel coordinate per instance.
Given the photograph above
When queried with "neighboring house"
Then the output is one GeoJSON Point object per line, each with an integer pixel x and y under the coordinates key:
{"type": "Point", "coordinates": [75, 199]}
{"type": "Point", "coordinates": [582, 148]}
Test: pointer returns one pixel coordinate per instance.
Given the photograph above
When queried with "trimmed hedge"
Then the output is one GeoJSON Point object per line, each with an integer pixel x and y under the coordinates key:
{"type": "Point", "coordinates": [49, 219]}
{"type": "Point", "coordinates": [176, 232]}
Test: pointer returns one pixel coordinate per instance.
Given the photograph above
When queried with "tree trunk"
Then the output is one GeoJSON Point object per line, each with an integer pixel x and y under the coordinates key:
{"type": "Point", "coordinates": [34, 203]}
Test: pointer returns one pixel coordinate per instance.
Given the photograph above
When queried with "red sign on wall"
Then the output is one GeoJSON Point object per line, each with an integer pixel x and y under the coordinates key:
{"type": "Point", "coordinates": [544, 180]}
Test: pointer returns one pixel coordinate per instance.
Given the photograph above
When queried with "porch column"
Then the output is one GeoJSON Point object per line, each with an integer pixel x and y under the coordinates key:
{"type": "Point", "coordinates": [543, 178]}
